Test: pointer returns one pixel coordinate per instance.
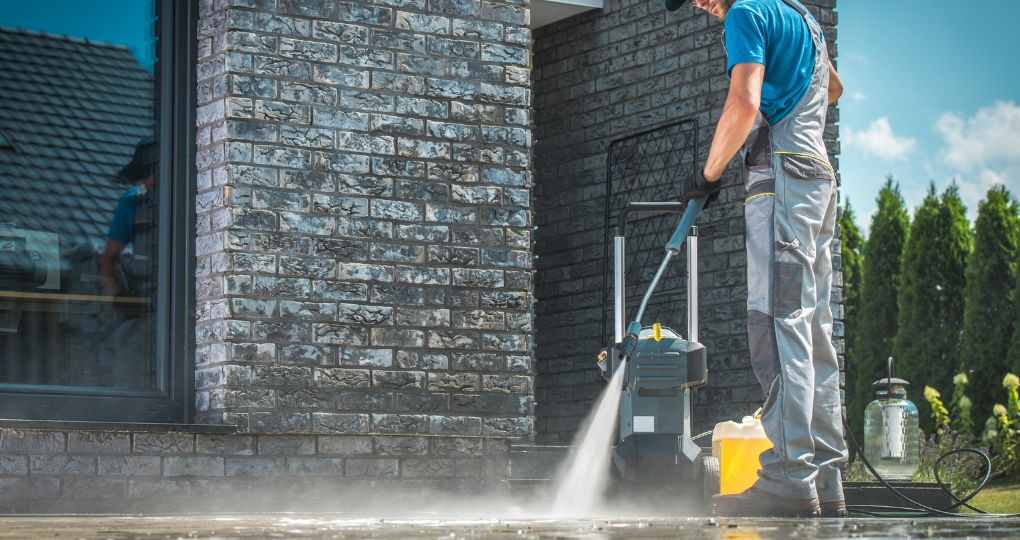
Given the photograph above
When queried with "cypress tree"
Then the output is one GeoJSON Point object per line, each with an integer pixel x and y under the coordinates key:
{"type": "Point", "coordinates": [989, 314]}
{"type": "Point", "coordinates": [927, 344]}
{"type": "Point", "coordinates": [850, 245]}
{"type": "Point", "coordinates": [851, 242]}
{"type": "Point", "coordinates": [875, 320]}
{"type": "Point", "coordinates": [1014, 347]}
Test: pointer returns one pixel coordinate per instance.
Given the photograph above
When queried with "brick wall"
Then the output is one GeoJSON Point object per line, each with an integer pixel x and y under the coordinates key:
{"type": "Point", "coordinates": [603, 75]}
{"type": "Point", "coordinates": [364, 216]}
{"type": "Point", "coordinates": [85, 471]}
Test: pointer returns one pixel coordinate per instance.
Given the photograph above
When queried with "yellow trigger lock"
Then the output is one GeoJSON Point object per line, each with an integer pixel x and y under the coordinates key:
{"type": "Point", "coordinates": [657, 331]}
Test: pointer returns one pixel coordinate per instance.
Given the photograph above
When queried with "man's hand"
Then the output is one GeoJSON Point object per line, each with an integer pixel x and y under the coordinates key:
{"type": "Point", "coordinates": [112, 287]}
{"type": "Point", "coordinates": [108, 268]}
{"type": "Point", "coordinates": [699, 187]}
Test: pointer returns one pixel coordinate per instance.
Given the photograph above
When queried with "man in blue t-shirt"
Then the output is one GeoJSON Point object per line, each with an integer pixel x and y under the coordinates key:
{"type": "Point", "coordinates": [781, 83]}
{"type": "Point", "coordinates": [132, 216]}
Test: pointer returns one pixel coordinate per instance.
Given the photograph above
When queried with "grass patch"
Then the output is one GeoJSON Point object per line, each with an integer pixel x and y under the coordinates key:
{"type": "Point", "coordinates": [999, 498]}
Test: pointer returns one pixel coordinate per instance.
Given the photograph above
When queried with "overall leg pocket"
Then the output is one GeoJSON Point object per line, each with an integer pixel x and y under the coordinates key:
{"type": "Point", "coordinates": [807, 167]}
{"type": "Point", "coordinates": [758, 217]}
{"type": "Point", "coordinates": [794, 230]}
{"type": "Point", "coordinates": [761, 336]}
{"type": "Point", "coordinates": [786, 289]}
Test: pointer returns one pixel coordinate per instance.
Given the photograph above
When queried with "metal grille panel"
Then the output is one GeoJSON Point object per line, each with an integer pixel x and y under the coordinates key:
{"type": "Point", "coordinates": [649, 167]}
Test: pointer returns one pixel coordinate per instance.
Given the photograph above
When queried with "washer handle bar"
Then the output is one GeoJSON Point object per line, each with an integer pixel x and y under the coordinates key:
{"type": "Point", "coordinates": [673, 247]}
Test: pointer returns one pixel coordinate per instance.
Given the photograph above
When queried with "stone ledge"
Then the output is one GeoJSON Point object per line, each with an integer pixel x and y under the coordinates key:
{"type": "Point", "coordinates": [72, 425]}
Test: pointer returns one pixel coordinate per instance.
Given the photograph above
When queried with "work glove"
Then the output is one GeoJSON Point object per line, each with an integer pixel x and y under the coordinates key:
{"type": "Point", "coordinates": [698, 187]}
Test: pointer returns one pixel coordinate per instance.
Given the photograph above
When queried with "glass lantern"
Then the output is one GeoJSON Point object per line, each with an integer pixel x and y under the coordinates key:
{"type": "Point", "coordinates": [892, 440]}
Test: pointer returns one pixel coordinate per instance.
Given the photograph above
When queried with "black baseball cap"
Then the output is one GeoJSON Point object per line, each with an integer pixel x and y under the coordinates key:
{"type": "Point", "coordinates": [673, 5]}
{"type": "Point", "coordinates": [143, 161]}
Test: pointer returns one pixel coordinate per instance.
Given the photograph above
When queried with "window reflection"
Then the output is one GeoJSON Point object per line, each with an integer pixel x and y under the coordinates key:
{"type": "Point", "coordinates": [78, 215]}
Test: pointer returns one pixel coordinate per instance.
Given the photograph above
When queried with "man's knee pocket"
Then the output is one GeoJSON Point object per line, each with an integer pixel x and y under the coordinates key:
{"type": "Point", "coordinates": [788, 280]}
{"type": "Point", "coordinates": [761, 332]}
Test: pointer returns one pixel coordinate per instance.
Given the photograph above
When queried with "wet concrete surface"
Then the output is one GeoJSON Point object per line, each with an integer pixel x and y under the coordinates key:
{"type": "Point", "coordinates": [339, 526]}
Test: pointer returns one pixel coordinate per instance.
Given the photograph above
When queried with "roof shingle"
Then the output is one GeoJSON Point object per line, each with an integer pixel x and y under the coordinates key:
{"type": "Point", "coordinates": [71, 113]}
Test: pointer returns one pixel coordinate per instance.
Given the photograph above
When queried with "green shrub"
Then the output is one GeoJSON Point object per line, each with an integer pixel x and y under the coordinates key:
{"type": "Point", "coordinates": [1002, 430]}
{"type": "Point", "coordinates": [939, 414]}
{"type": "Point", "coordinates": [960, 406]}
{"type": "Point", "coordinates": [961, 472]}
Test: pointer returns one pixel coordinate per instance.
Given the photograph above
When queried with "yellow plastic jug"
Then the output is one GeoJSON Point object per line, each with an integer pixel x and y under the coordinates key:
{"type": "Point", "coordinates": [737, 446]}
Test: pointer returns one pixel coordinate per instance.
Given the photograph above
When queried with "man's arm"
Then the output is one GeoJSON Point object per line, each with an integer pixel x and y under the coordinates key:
{"type": "Point", "coordinates": [108, 268]}
{"type": "Point", "coordinates": [835, 84]}
{"type": "Point", "coordinates": [737, 117]}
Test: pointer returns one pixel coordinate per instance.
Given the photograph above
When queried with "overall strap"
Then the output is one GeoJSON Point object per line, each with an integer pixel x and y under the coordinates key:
{"type": "Point", "coordinates": [800, 133]}
{"type": "Point", "coordinates": [807, 16]}
{"type": "Point", "coordinates": [801, 9]}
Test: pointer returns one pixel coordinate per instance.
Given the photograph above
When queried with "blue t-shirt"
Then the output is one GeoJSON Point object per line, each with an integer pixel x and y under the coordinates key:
{"type": "Point", "coordinates": [771, 33]}
{"type": "Point", "coordinates": [122, 226]}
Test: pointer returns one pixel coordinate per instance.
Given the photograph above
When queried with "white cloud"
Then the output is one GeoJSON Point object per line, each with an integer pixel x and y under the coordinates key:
{"type": "Point", "coordinates": [858, 96]}
{"type": "Point", "coordinates": [992, 134]}
{"type": "Point", "coordinates": [982, 150]}
{"type": "Point", "coordinates": [880, 141]}
{"type": "Point", "coordinates": [855, 56]}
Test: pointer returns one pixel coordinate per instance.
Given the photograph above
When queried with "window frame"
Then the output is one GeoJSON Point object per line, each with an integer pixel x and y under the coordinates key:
{"type": "Point", "coordinates": [171, 401]}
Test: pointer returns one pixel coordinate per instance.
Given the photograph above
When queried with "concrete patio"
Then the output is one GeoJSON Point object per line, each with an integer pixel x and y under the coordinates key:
{"type": "Point", "coordinates": [426, 526]}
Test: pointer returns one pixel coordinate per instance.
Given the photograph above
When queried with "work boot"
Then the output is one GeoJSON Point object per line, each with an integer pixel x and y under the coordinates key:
{"type": "Point", "coordinates": [756, 503]}
{"type": "Point", "coordinates": [835, 509]}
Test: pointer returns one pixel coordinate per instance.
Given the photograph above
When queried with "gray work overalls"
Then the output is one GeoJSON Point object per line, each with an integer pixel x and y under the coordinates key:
{"type": "Point", "coordinates": [790, 214]}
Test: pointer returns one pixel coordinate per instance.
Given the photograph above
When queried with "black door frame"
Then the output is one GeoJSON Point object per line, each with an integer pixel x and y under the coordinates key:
{"type": "Point", "coordinates": [171, 401]}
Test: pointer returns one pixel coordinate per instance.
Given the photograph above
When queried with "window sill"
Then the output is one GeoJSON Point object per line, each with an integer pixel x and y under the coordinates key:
{"type": "Point", "coordinates": [116, 426]}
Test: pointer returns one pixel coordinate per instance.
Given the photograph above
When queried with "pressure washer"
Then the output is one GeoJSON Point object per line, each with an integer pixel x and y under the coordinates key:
{"type": "Point", "coordinates": [655, 443]}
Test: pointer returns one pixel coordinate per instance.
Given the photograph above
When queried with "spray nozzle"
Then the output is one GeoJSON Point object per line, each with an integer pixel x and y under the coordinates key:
{"type": "Point", "coordinates": [630, 340]}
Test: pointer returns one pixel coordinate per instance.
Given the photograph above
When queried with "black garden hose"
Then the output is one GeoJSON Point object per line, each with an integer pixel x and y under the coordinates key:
{"type": "Point", "coordinates": [917, 509]}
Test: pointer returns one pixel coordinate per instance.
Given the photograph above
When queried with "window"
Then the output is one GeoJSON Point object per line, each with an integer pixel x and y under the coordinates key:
{"type": "Point", "coordinates": [95, 191]}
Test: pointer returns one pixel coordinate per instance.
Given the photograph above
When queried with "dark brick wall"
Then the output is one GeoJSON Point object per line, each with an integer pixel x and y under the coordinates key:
{"type": "Point", "coordinates": [603, 75]}
{"type": "Point", "coordinates": [364, 216]}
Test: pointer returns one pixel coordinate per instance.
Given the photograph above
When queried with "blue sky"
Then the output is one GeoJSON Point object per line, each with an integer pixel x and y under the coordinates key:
{"type": "Point", "coordinates": [932, 94]}
{"type": "Point", "coordinates": [113, 21]}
